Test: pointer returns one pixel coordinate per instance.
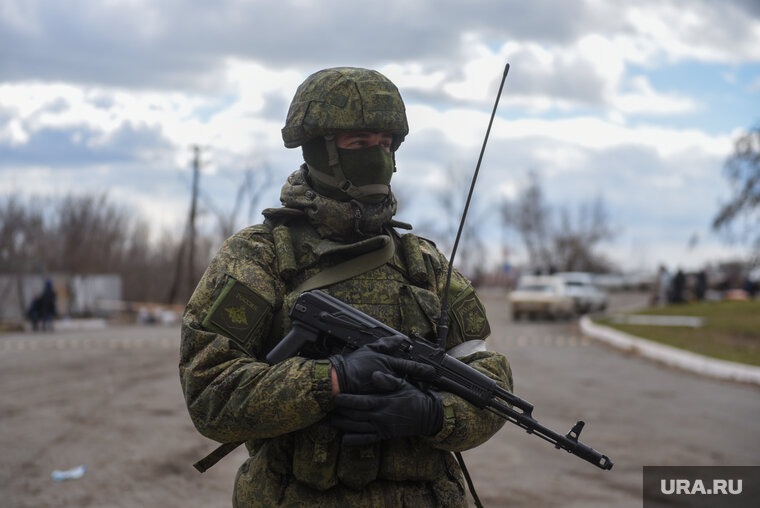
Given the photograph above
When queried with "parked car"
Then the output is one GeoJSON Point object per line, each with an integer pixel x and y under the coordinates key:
{"type": "Point", "coordinates": [588, 296]}
{"type": "Point", "coordinates": [544, 296]}
{"type": "Point", "coordinates": [609, 282]}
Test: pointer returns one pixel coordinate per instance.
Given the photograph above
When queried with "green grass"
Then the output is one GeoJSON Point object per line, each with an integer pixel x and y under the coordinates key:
{"type": "Point", "coordinates": [731, 330]}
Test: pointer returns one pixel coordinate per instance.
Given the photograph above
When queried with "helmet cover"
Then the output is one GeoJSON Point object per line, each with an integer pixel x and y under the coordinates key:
{"type": "Point", "coordinates": [345, 99]}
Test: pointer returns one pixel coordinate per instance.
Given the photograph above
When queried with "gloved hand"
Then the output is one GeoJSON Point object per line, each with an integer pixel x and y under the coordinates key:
{"type": "Point", "coordinates": [354, 370]}
{"type": "Point", "coordinates": [404, 411]}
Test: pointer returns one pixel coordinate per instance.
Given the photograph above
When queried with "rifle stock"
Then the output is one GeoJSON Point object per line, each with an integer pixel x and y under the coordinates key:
{"type": "Point", "coordinates": [316, 314]}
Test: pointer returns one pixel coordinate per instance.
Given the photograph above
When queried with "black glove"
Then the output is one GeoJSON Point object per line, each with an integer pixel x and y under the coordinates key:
{"type": "Point", "coordinates": [354, 370]}
{"type": "Point", "coordinates": [405, 411]}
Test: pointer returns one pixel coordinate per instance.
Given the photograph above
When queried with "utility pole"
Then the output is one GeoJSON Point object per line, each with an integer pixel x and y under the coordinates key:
{"type": "Point", "coordinates": [191, 222]}
{"type": "Point", "coordinates": [188, 239]}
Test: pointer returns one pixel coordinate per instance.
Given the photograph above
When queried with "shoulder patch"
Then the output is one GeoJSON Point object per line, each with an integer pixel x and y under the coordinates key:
{"type": "Point", "coordinates": [471, 316]}
{"type": "Point", "coordinates": [237, 312]}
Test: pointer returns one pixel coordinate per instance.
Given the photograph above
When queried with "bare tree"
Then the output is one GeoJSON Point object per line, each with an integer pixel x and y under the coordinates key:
{"type": "Point", "coordinates": [248, 198]}
{"type": "Point", "coordinates": [743, 171]}
{"type": "Point", "coordinates": [88, 234]}
{"type": "Point", "coordinates": [531, 218]}
{"type": "Point", "coordinates": [557, 239]}
{"type": "Point", "coordinates": [22, 230]}
{"type": "Point", "coordinates": [450, 199]}
{"type": "Point", "coordinates": [575, 240]}
{"type": "Point", "coordinates": [148, 264]}
{"type": "Point", "coordinates": [22, 235]}
{"type": "Point", "coordinates": [85, 234]}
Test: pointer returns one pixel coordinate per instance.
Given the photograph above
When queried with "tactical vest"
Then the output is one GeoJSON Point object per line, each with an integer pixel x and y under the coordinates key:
{"type": "Point", "coordinates": [399, 293]}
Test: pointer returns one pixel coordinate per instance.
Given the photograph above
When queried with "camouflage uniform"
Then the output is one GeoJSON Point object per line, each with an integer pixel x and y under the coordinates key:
{"type": "Point", "coordinates": [239, 312]}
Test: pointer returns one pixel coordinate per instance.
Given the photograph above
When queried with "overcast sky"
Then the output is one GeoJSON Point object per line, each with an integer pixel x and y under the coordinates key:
{"type": "Point", "coordinates": [634, 102]}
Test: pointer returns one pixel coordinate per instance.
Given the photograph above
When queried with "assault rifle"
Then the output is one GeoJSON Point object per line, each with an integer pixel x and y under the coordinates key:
{"type": "Point", "coordinates": [317, 316]}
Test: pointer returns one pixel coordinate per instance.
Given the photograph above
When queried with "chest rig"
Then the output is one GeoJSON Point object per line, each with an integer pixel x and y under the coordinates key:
{"type": "Point", "coordinates": [386, 276]}
{"type": "Point", "coordinates": [400, 292]}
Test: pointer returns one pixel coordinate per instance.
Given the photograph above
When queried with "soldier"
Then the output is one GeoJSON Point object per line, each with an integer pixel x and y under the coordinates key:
{"type": "Point", "coordinates": [323, 428]}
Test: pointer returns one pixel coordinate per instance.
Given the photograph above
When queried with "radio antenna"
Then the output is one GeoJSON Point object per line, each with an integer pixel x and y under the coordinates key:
{"type": "Point", "coordinates": [443, 327]}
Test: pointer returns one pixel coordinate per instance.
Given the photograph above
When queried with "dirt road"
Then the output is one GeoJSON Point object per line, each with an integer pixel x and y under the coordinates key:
{"type": "Point", "coordinates": [110, 399]}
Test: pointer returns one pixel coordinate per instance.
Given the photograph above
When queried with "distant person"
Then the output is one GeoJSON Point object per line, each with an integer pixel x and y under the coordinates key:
{"type": "Point", "coordinates": [33, 313]}
{"type": "Point", "coordinates": [751, 287]}
{"type": "Point", "coordinates": [47, 306]}
{"type": "Point", "coordinates": [677, 287]}
{"type": "Point", "coordinates": [662, 287]}
{"type": "Point", "coordinates": [701, 288]}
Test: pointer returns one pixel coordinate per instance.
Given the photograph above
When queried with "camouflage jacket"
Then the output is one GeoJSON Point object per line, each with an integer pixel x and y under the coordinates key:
{"type": "Point", "coordinates": [238, 313]}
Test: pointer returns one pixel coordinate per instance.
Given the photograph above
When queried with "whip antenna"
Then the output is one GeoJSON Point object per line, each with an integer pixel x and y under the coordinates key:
{"type": "Point", "coordinates": [443, 327]}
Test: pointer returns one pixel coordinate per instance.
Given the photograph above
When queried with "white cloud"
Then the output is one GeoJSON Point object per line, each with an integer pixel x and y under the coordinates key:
{"type": "Point", "coordinates": [14, 133]}
{"type": "Point", "coordinates": [560, 157]}
{"type": "Point", "coordinates": [508, 190]}
{"type": "Point", "coordinates": [708, 32]}
{"type": "Point", "coordinates": [37, 179]}
{"type": "Point", "coordinates": [466, 128]}
{"type": "Point", "coordinates": [573, 106]}
{"type": "Point", "coordinates": [645, 99]}
{"type": "Point", "coordinates": [482, 67]}
{"type": "Point", "coordinates": [166, 211]}
{"type": "Point", "coordinates": [41, 106]}
{"type": "Point", "coordinates": [412, 76]}
{"type": "Point", "coordinates": [589, 72]}
{"type": "Point", "coordinates": [234, 126]}
{"type": "Point", "coordinates": [239, 126]}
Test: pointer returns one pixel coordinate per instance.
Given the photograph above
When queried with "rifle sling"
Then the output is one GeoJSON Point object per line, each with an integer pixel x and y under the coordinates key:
{"type": "Point", "coordinates": [470, 485]}
{"type": "Point", "coordinates": [218, 454]}
{"type": "Point", "coordinates": [338, 273]}
{"type": "Point", "coordinates": [348, 269]}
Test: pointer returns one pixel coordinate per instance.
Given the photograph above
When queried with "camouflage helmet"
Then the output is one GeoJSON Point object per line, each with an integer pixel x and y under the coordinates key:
{"type": "Point", "coordinates": [345, 99]}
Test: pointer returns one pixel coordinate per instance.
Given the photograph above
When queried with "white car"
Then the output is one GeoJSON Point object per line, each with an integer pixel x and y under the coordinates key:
{"type": "Point", "coordinates": [541, 296]}
{"type": "Point", "coordinates": [588, 297]}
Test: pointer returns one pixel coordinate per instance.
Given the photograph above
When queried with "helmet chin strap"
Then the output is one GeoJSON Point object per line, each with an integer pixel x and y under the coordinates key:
{"type": "Point", "coordinates": [338, 180]}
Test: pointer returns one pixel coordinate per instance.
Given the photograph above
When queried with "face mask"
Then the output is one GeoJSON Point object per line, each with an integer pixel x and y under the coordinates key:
{"type": "Point", "coordinates": [368, 166]}
{"type": "Point", "coordinates": [369, 171]}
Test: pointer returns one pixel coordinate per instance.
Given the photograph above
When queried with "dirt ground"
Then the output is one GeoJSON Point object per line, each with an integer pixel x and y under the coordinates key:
{"type": "Point", "coordinates": [110, 399]}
